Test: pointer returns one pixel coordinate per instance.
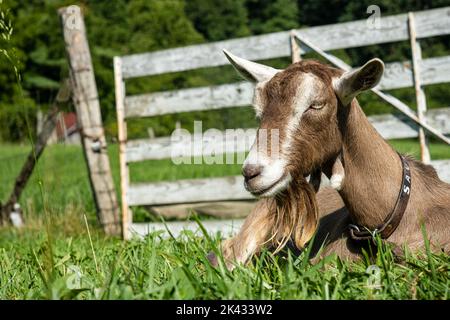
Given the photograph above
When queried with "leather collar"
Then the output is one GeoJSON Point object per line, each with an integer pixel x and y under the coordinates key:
{"type": "Point", "coordinates": [392, 221]}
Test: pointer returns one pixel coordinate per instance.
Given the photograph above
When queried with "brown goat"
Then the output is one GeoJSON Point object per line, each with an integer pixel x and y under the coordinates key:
{"type": "Point", "coordinates": [322, 127]}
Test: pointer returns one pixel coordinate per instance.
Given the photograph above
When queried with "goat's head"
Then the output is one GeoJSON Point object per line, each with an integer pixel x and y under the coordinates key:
{"type": "Point", "coordinates": [301, 107]}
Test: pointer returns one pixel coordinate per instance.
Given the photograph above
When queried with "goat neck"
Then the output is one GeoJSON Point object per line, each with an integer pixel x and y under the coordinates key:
{"type": "Point", "coordinates": [373, 170]}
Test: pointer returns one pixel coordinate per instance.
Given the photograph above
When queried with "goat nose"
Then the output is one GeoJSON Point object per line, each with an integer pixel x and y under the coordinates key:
{"type": "Point", "coordinates": [251, 171]}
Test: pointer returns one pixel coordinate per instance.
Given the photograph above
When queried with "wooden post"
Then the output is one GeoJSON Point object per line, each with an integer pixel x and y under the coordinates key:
{"type": "Point", "coordinates": [295, 48]}
{"type": "Point", "coordinates": [420, 93]}
{"type": "Point", "coordinates": [47, 127]}
{"type": "Point", "coordinates": [85, 99]}
{"type": "Point", "coordinates": [122, 135]}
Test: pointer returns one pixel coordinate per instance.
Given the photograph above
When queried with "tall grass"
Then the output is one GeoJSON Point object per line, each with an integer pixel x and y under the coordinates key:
{"type": "Point", "coordinates": [69, 259]}
{"type": "Point", "coordinates": [161, 268]}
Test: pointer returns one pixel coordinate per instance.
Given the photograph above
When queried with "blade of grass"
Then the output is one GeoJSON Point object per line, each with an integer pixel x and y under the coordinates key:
{"type": "Point", "coordinates": [90, 242]}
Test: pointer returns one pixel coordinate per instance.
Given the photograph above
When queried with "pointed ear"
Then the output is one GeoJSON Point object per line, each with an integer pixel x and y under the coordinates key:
{"type": "Point", "coordinates": [353, 82]}
{"type": "Point", "coordinates": [251, 71]}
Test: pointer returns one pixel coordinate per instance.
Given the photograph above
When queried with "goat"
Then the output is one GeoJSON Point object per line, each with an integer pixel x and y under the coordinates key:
{"type": "Point", "coordinates": [322, 127]}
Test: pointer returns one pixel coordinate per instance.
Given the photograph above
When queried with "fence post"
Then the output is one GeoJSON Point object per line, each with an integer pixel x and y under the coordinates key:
{"type": "Point", "coordinates": [122, 134]}
{"type": "Point", "coordinates": [87, 105]}
{"type": "Point", "coordinates": [420, 93]}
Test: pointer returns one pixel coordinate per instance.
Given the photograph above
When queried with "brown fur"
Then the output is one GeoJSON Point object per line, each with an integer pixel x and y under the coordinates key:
{"type": "Point", "coordinates": [370, 188]}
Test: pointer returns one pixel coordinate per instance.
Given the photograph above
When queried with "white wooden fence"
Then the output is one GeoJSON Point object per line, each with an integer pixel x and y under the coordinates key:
{"type": "Point", "coordinates": [274, 45]}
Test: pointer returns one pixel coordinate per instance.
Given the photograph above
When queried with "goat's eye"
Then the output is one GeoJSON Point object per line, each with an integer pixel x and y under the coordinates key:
{"type": "Point", "coordinates": [317, 105]}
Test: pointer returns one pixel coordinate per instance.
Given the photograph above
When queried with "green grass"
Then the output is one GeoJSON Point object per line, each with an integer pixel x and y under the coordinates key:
{"type": "Point", "coordinates": [156, 268]}
{"type": "Point", "coordinates": [409, 146]}
{"type": "Point", "coordinates": [64, 174]}
{"type": "Point", "coordinates": [58, 261]}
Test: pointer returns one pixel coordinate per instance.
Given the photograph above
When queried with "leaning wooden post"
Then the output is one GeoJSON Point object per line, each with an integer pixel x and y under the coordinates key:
{"type": "Point", "coordinates": [295, 48]}
{"type": "Point", "coordinates": [48, 125]}
{"type": "Point", "coordinates": [420, 94]}
{"type": "Point", "coordinates": [87, 105]}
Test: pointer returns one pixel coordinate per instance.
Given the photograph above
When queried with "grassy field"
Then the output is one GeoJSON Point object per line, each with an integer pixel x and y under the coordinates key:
{"type": "Point", "coordinates": [54, 257]}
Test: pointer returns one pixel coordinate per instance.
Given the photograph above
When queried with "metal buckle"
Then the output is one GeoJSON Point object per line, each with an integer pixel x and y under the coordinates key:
{"type": "Point", "coordinates": [354, 227]}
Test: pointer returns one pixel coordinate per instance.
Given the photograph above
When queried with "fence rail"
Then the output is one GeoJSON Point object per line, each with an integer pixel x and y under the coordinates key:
{"type": "Point", "coordinates": [390, 126]}
{"type": "Point", "coordinates": [274, 45]}
{"type": "Point", "coordinates": [397, 75]}
{"type": "Point", "coordinates": [213, 189]}
{"type": "Point", "coordinates": [429, 23]}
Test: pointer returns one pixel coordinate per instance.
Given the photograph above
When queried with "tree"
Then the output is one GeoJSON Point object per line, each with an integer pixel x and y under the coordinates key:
{"type": "Point", "coordinates": [218, 19]}
{"type": "Point", "coordinates": [271, 16]}
{"type": "Point", "coordinates": [123, 27]}
{"type": "Point", "coordinates": [114, 28]}
{"type": "Point", "coordinates": [314, 13]}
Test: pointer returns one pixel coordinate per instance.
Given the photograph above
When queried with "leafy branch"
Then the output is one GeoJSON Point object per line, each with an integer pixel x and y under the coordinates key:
{"type": "Point", "coordinates": [6, 31]}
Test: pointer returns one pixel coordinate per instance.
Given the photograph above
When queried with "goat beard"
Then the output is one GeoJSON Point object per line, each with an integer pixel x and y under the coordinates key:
{"type": "Point", "coordinates": [296, 214]}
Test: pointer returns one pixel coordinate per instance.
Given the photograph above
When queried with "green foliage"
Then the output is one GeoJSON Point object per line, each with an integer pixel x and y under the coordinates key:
{"type": "Point", "coordinates": [271, 16]}
{"type": "Point", "coordinates": [13, 117]}
{"type": "Point", "coordinates": [218, 19]}
{"type": "Point", "coordinates": [139, 26]}
{"type": "Point", "coordinates": [32, 40]}
{"type": "Point", "coordinates": [114, 28]}
{"type": "Point", "coordinates": [6, 30]}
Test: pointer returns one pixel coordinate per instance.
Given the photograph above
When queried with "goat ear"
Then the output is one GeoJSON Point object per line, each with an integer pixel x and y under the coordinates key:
{"type": "Point", "coordinates": [251, 71]}
{"type": "Point", "coordinates": [353, 82]}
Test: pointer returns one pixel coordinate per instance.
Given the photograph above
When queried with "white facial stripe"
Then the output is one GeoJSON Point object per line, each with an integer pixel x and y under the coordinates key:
{"type": "Point", "coordinates": [274, 168]}
{"type": "Point", "coordinates": [303, 99]}
{"type": "Point", "coordinates": [256, 158]}
{"type": "Point", "coordinates": [257, 99]}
